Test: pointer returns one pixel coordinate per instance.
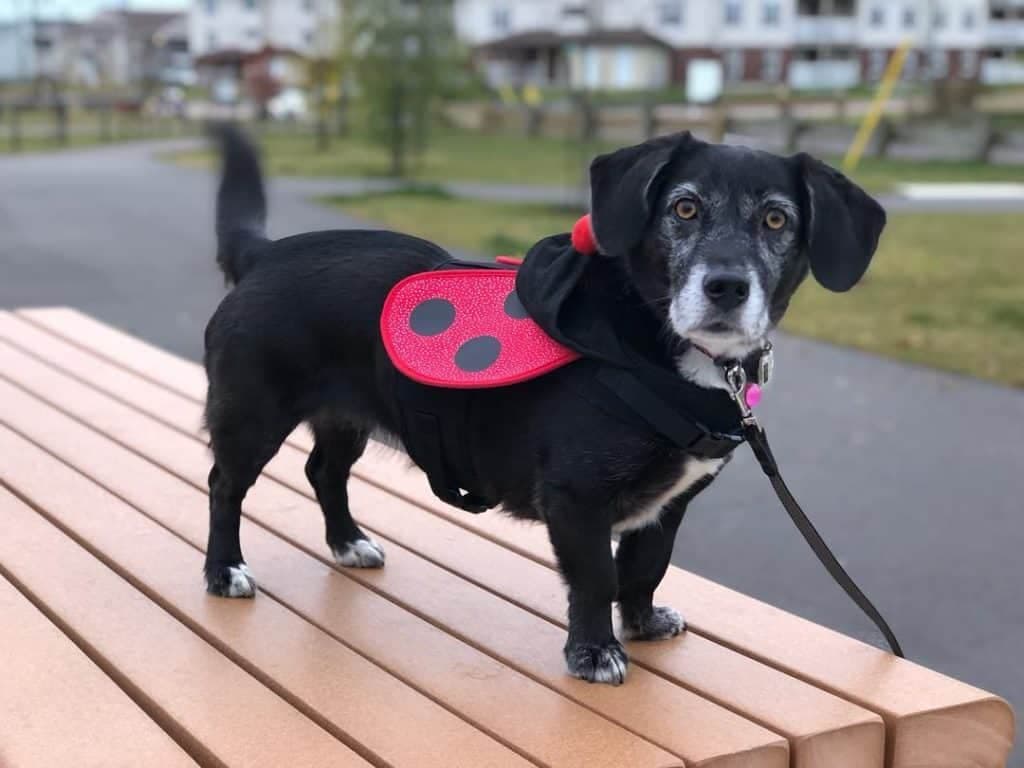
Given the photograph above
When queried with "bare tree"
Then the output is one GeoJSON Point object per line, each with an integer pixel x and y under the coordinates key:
{"type": "Point", "coordinates": [401, 54]}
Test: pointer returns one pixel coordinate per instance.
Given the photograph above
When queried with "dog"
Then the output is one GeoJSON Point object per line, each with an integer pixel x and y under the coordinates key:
{"type": "Point", "coordinates": [713, 239]}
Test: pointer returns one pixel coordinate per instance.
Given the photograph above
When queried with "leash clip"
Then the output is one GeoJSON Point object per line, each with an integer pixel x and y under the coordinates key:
{"type": "Point", "coordinates": [736, 379]}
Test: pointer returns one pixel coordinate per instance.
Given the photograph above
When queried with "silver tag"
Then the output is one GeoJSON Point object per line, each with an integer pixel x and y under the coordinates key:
{"type": "Point", "coordinates": [765, 365]}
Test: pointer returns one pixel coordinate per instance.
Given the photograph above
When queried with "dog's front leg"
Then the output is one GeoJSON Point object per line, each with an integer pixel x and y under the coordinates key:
{"type": "Point", "coordinates": [582, 543]}
{"type": "Point", "coordinates": [642, 559]}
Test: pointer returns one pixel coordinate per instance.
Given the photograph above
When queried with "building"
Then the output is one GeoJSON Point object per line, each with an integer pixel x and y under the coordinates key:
{"type": "Point", "coordinates": [306, 27]}
{"type": "Point", "coordinates": [810, 44]}
{"type": "Point", "coordinates": [36, 50]}
{"type": "Point", "coordinates": [114, 48]}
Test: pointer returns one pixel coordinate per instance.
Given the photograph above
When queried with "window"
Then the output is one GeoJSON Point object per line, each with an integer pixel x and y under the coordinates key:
{"type": "Point", "coordinates": [624, 67]}
{"type": "Point", "coordinates": [501, 18]}
{"type": "Point", "coordinates": [771, 13]}
{"type": "Point", "coordinates": [734, 61]}
{"type": "Point", "coordinates": [877, 17]}
{"type": "Point", "coordinates": [910, 66]}
{"type": "Point", "coordinates": [211, 7]}
{"type": "Point", "coordinates": [909, 17]}
{"type": "Point", "coordinates": [253, 33]}
{"type": "Point", "coordinates": [938, 64]}
{"type": "Point", "coordinates": [771, 66]}
{"type": "Point", "coordinates": [250, 5]}
{"type": "Point", "coordinates": [969, 19]}
{"type": "Point", "coordinates": [591, 68]}
{"type": "Point", "coordinates": [574, 11]}
{"type": "Point", "coordinates": [733, 12]}
{"type": "Point", "coordinates": [307, 5]}
{"type": "Point", "coordinates": [968, 64]}
{"type": "Point", "coordinates": [939, 19]}
{"type": "Point", "coordinates": [307, 37]}
{"type": "Point", "coordinates": [670, 13]}
{"type": "Point", "coordinates": [211, 41]}
{"type": "Point", "coordinates": [877, 61]}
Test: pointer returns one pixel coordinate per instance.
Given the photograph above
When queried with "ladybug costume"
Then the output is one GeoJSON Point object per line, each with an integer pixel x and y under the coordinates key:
{"type": "Point", "coordinates": [468, 326]}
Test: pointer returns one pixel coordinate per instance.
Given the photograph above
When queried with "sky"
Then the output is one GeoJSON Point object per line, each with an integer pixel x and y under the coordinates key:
{"type": "Point", "coordinates": [78, 9]}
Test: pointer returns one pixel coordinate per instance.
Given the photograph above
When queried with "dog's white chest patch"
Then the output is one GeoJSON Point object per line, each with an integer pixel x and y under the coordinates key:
{"type": "Point", "coordinates": [693, 471]}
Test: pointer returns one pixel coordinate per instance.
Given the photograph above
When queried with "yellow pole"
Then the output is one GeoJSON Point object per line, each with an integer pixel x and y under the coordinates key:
{"type": "Point", "coordinates": [874, 114]}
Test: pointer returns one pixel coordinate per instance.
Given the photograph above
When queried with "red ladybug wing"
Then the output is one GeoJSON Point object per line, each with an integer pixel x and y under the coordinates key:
{"type": "Point", "coordinates": [465, 329]}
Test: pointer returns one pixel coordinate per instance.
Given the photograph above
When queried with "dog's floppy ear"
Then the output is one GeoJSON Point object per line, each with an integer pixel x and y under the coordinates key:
{"type": "Point", "coordinates": [624, 186]}
{"type": "Point", "coordinates": [843, 225]}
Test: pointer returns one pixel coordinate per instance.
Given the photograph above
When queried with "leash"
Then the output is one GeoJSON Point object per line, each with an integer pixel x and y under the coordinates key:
{"type": "Point", "coordinates": [739, 388]}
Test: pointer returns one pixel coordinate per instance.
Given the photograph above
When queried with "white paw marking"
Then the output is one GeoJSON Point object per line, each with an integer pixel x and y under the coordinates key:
{"type": "Point", "coordinates": [666, 622]}
{"type": "Point", "coordinates": [364, 553]}
{"type": "Point", "coordinates": [613, 672]}
{"type": "Point", "coordinates": [242, 583]}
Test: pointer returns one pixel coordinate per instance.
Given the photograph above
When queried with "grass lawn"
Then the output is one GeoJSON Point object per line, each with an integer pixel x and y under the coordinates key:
{"type": "Point", "coordinates": [944, 290]}
{"type": "Point", "coordinates": [450, 157]}
{"type": "Point", "coordinates": [38, 133]}
{"type": "Point", "coordinates": [518, 160]}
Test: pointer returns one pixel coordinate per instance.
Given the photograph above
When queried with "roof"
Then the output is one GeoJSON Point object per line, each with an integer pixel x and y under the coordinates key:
{"type": "Point", "coordinates": [542, 38]}
{"type": "Point", "coordinates": [238, 56]}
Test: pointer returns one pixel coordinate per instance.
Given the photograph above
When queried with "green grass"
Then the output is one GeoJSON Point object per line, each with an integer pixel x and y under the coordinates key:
{"type": "Point", "coordinates": [450, 157]}
{"type": "Point", "coordinates": [944, 290]}
{"type": "Point", "coordinates": [878, 175]}
{"type": "Point", "coordinates": [518, 160]}
{"type": "Point", "coordinates": [38, 133]}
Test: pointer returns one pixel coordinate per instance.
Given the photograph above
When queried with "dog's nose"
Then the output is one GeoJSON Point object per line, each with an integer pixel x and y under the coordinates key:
{"type": "Point", "coordinates": [727, 290]}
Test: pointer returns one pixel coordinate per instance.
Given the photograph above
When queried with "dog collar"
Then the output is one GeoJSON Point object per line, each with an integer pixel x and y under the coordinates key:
{"type": "Point", "coordinates": [760, 364]}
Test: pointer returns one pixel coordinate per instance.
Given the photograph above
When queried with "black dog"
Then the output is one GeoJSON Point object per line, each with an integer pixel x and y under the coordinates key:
{"type": "Point", "coordinates": [712, 240]}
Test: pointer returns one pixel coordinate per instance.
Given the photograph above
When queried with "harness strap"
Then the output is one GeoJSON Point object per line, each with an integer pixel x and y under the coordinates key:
{"type": "Point", "coordinates": [758, 440]}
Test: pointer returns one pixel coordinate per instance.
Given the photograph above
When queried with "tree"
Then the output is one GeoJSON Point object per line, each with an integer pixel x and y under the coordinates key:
{"type": "Point", "coordinates": [402, 55]}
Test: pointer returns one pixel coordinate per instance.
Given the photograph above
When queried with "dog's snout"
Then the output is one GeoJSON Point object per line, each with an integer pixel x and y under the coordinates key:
{"type": "Point", "coordinates": [727, 290]}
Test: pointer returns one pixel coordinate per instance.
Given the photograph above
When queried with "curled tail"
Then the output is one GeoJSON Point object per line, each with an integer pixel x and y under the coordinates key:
{"type": "Point", "coordinates": [241, 203]}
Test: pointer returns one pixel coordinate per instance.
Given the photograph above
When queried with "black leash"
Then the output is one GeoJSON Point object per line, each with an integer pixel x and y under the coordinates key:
{"type": "Point", "coordinates": [736, 378]}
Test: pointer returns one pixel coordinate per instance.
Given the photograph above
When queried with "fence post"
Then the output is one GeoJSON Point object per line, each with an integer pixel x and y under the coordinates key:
{"type": "Point", "coordinates": [15, 134]}
{"type": "Point", "coordinates": [650, 119]}
{"type": "Point", "coordinates": [60, 115]}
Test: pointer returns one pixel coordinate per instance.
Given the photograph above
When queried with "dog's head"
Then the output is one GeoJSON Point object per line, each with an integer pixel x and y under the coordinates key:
{"type": "Point", "coordinates": [717, 238]}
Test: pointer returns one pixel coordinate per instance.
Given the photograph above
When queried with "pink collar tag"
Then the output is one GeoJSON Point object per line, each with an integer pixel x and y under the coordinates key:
{"type": "Point", "coordinates": [752, 395]}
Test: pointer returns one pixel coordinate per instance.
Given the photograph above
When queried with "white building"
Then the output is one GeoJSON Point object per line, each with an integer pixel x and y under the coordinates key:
{"type": "Point", "coordinates": [807, 43]}
{"type": "Point", "coordinates": [305, 27]}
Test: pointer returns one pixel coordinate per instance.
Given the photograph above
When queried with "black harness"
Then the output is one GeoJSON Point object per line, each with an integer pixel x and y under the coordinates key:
{"type": "Point", "coordinates": [584, 302]}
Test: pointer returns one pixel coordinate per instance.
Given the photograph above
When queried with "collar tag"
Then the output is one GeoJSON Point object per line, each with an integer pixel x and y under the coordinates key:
{"type": "Point", "coordinates": [766, 364]}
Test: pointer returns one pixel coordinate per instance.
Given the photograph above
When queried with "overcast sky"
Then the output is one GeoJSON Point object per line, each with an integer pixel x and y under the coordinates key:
{"type": "Point", "coordinates": [77, 9]}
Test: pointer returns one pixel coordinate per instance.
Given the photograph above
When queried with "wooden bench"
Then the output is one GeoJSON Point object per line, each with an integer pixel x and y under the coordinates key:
{"type": "Point", "coordinates": [450, 656]}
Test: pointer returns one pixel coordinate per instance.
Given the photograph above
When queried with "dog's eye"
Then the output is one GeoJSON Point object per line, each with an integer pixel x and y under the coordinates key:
{"type": "Point", "coordinates": [775, 219]}
{"type": "Point", "coordinates": [686, 209]}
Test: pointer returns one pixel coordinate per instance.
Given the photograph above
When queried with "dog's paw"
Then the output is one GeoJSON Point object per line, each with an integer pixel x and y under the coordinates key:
{"type": "Point", "coordinates": [658, 623]}
{"type": "Point", "coordinates": [230, 581]}
{"type": "Point", "coordinates": [604, 663]}
{"type": "Point", "coordinates": [362, 553]}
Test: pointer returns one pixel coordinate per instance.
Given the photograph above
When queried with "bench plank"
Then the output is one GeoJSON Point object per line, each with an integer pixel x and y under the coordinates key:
{"type": "Point", "coordinates": [926, 713]}
{"type": "Point", "coordinates": [180, 680]}
{"type": "Point", "coordinates": [819, 726]}
{"type": "Point", "coordinates": [58, 708]}
{"type": "Point", "coordinates": [354, 698]}
{"type": "Point", "coordinates": [368, 623]}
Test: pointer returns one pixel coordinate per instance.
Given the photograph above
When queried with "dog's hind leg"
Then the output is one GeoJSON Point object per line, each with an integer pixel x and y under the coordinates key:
{"type": "Point", "coordinates": [242, 444]}
{"type": "Point", "coordinates": [338, 446]}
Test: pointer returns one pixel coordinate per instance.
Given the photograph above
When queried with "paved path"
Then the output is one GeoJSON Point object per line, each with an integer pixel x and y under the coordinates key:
{"type": "Point", "coordinates": [916, 477]}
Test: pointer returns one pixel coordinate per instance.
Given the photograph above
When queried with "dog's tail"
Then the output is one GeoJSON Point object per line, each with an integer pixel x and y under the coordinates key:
{"type": "Point", "coordinates": [241, 203]}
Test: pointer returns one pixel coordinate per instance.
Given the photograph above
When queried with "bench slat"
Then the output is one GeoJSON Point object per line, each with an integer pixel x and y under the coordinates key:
{"type": "Point", "coordinates": [357, 699]}
{"type": "Point", "coordinates": [373, 626]}
{"type": "Point", "coordinates": [927, 714]}
{"type": "Point", "coordinates": [821, 728]}
{"type": "Point", "coordinates": [58, 708]}
{"type": "Point", "coordinates": [178, 679]}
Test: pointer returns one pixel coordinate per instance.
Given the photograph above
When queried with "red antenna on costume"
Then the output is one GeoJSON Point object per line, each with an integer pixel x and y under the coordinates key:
{"type": "Point", "coordinates": [583, 236]}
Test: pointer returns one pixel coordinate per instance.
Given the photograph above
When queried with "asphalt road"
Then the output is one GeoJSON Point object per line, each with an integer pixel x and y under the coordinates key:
{"type": "Point", "coordinates": [915, 477]}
